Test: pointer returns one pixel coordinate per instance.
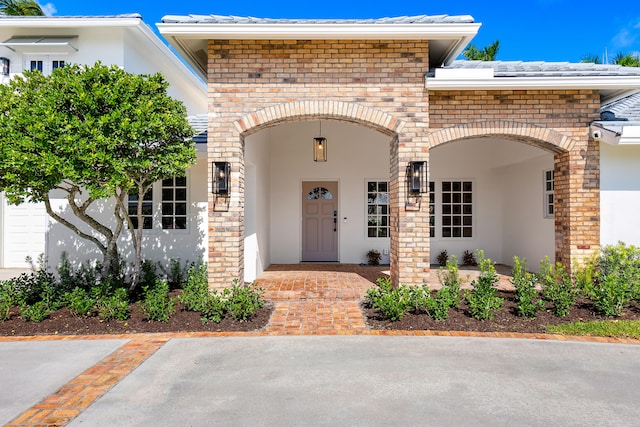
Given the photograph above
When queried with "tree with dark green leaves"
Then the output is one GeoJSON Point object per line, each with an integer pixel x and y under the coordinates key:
{"type": "Point", "coordinates": [20, 8]}
{"type": "Point", "coordinates": [487, 53]}
{"type": "Point", "coordinates": [623, 59]}
{"type": "Point", "coordinates": [92, 133]}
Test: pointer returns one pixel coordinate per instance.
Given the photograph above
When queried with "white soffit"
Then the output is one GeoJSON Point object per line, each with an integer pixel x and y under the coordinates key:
{"type": "Point", "coordinates": [41, 44]}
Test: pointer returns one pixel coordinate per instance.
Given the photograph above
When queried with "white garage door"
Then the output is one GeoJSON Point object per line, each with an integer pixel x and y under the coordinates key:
{"type": "Point", "coordinates": [22, 232]}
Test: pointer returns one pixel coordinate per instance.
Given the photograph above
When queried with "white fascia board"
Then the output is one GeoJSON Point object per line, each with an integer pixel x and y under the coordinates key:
{"type": "Point", "coordinates": [532, 83]}
{"type": "Point", "coordinates": [630, 135]}
{"type": "Point", "coordinates": [64, 22]}
{"type": "Point", "coordinates": [319, 31]}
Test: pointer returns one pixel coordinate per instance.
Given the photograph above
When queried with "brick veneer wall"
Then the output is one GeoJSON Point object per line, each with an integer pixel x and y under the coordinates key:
{"type": "Point", "coordinates": [555, 120]}
{"type": "Point", "coordinates": [258, 83]}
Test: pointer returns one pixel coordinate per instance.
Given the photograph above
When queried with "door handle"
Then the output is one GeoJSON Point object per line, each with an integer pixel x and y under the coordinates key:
{"type": "Point", "coordinates": [335, 223]}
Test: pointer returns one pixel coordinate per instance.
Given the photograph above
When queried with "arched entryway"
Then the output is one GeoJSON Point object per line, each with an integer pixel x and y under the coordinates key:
{"type": "Point", "coordinates": [227, 218]}
{"type": "Point", "coordinates": [572, 164]}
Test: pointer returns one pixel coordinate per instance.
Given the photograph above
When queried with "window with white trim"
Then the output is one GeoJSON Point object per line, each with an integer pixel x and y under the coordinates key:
{"type": "Point", "coordinates": [174, 203]}
{"type": "Point", "coordinates": [147, 209]}
{"type": "Point", "coordinates": [457, 209]}
{"type": "Point", "coordinates": [44, 64]}
{"type": "Point", "coordinates": [378, 209]}
{"type": "Point", "coordinates": [432, 209]}
{"type": "Point", "coordinates": [549, 188]}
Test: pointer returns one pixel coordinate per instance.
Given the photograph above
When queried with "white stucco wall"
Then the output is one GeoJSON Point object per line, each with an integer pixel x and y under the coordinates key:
{"type": "Point", "coordinates": [507, 198]}
{"type": "Point", "coordinates": [257, 205]}
{"type": "Point", "coordinates": [354, 154]}
{"type": "Point", "coordinates": [158, 244]}
{"type": "Point", "coordinates": [619, 194]}
{"type": "Point", "coordinates": [526, 232]}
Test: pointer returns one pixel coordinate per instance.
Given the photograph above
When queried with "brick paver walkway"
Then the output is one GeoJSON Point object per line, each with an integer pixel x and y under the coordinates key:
{"type": "Point", "coordinates": [317, 297]}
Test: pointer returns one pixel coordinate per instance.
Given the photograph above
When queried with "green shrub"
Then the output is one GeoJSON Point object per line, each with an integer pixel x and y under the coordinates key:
{"type": "Point", "coordinates": [196, 289]}
{"type": "Point", "coordinates": [36, 312]}
{"type": "Point", "coordinates": [8, 299]}
{"type": "Point", "coordinates": [177, 274]}
{"type": "Point", "coordinates": [115, 306]}
{"type": "Point", "coordinates": [469, 258]}
{"type": "Point", "coordinates": [214, 307]}
{"type": "Point", "coordinates": [451, 282]}
{"type": "Point", "coordinates": [85, 276]}
{"type": "Point", "coordinates": [557, 287]}
{"type": "Point", "coordinates": [149, 274]}
{"type": "Point", "coordinates": [617, 278]}
{"type": "Point", "coordinates": [482, 299]}
{"type": "Point", "coordinates": [243, 301]}
{"type": "Point", "coordinates": [29, 287]}
{"type": "Point", "coordinates": [527, 299]}
{"type": "Point", "coordinates": [391, 303]}
{"type": "Point", "coordinates": [80, 302]}
{"type": "Point", "coordinates": [419, 298]}
{"type": "Point", "coordinates": [157, 304]}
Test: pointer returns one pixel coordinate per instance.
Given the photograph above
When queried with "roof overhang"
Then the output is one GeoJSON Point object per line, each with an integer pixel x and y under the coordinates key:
{"type": "Point", "coordinates": [616, 132]}
{"type": "Point", "coordinates": [610, 87]}
{"type": "Point", "coordinates": [190, 39]}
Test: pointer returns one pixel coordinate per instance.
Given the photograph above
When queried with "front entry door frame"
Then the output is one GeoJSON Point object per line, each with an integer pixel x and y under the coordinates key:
{"type": "Point", "coordinates": [320, 234]}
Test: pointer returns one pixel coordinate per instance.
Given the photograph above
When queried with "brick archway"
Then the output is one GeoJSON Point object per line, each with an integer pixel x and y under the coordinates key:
{"type": "Point", "coordinates": [226, 249]}
{"type": "Point", "coordinates": [545, 138]}
{"type": "Point", "coordinates": [576, 169]}
{"type": "Point", "coordinates": [306, 110]}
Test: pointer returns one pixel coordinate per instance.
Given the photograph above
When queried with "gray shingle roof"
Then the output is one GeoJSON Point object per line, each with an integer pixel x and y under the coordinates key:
{"type": "Point", "coordinates": [545, 69]}
{"type": "Point", "coordinates": [218, 19]}
{"type": "Point", "coordinates": [200, 123]}
{"type": "Point", "coordinates": [626, 109]}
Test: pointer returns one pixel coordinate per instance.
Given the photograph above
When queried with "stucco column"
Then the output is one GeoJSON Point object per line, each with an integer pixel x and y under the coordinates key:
{"type": "Point", "coordinates": [410, 259]}
{"type": "Point", "coordinates": [577, 202]}
{"type": "Point", "coordinates": [226, 212]}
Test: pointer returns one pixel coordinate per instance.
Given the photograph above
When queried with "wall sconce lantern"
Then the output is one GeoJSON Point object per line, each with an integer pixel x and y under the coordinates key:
{"type": "Point", "coordinates": [417, 177]}
{"type": "Point", "coordinates": [5, 66]}
{"type": "Point", "coordinates": [320, 147]}
{"type": "Point", "coordinates": [220, 177]}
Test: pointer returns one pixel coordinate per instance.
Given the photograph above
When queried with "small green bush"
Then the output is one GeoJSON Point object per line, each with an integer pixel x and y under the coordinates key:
{"type": "Point", "coordinates": [36, 312]}
{"type": "Point", "coordinates": [213, 308]}
{"type": "Point", "coordinates": [482, 299]}
{"type": "Point", "coordinates": [157, 304]}
{"type": "Point", "coordinates": [527, 299]}
{"type": "Point", "coordinates": [80, 302]}
{"type": "Point", "coordinates": [243, 301]}
{"type": "Point", "coordinates": [617, 278]}
{"type": "Point", "coordinates": [469, 258]}
{"type": "Point", "coordinates": [177, 274]}
{"type": "Point", "coordinates": [8, 299]}
{"type": "Point", "coordinates": [115, 306]}
{"type": "Point", "coordinates": [195, 290]}
{"type": "Point", "coordinates": [373, 257]}
{"type": "Point", "coordinates": [557, 287]}
{"type": "Point", "coordinates": [391, 303]}
{"type": "Point", "coordinates": [85, 276]}
{"type": "Point", "coordinates": [149, 274]}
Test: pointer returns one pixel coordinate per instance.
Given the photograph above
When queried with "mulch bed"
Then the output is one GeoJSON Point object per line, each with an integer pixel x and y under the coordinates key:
{"type": "Point", "coordinates": [506, 320]}
{"type": "Point", "coordinates": [62, 322]}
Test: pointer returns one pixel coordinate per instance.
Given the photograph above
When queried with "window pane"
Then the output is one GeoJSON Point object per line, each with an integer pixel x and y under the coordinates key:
{"type": "Point", "coordinates": [372, 186]}
{"type": "Point", "coordinates": [466, 198]}
{"type": "Point", "coordinates": [446, 231]}
{"type": "Point", "coordinates": [457, 197]}
{"type": "Point", "coordinates": [167, 223]}
{"type": "Point", "coordinates": [446, 197]}
{"type": "Point", "coordinates": [457, 186]}
{"type": "Point", "coordinates": [446, 186]}
{"type": "Point", "coordinates": [467, 210]}
{"type": "Point", "coordinates": [181, 209]}
{"type": "Point", "coordinates": [181, 194]}
{"type": "Point", "coordinates": [167, 209]}
{"type": "Point", "coordinates": [382, 186]}
{"type": "Point", "coordinates": [457, 232]}
{"type": "Point", "coordinates": [371, 232]}
{"type": "Point", "coordinates": [384, 232]}
{"type": "Point", "coordinates": [167, 182]}
{"type": "Point", "coordinates": [181, 223]}
{"type": "Point", "coordinates": [467, 186]}
{"type": "Point", "coordinates": [446, 209]}
{"type": "Point", "coordinates": [466, 232]}
{"type": "Point", "coordinates": [181, 181]}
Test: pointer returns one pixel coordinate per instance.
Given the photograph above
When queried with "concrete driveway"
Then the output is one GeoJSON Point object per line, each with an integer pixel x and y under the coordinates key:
{"type": "Point", "coordinates": [371, 381]}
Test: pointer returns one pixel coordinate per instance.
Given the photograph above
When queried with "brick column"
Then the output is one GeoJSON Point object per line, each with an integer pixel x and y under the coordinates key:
{"type": "Point", "coordinates": [410, 239]}
{"type": "Point", "coordinates": [577, 202]}
{"type": "Point", "coordinates": [226, 213]}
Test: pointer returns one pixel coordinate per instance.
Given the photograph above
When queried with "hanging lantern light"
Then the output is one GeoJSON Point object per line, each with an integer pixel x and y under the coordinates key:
{"type": "Point", "coordinates": [320, 147]}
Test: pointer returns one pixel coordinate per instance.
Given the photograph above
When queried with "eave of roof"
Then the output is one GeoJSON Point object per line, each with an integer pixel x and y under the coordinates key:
{"type": "Point", "coordinates": [452, 33]}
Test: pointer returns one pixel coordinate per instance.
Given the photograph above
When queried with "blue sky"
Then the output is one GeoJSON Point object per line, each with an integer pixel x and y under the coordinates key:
{"type": "Point", "coordinates": [529, 30]}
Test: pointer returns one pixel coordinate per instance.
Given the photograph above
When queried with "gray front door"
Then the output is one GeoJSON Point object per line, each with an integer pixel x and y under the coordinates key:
{"type": "Point", "coordinates": [320, 221]}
